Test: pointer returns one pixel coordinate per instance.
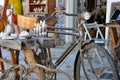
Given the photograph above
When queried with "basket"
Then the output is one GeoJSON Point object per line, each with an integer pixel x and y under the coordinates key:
{"type": "Point", "coordinates": [26, 22]}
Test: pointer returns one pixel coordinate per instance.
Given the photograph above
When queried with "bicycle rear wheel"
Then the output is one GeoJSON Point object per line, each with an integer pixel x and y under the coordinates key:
{"type": "Point", "coordinates": [95, 63]}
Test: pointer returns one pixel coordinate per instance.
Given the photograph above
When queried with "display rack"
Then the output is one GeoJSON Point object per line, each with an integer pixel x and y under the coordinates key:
{"type": "Point", "coordinates": [41, 7]}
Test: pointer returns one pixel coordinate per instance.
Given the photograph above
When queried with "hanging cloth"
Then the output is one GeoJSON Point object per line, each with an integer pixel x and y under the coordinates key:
{"type": "Point", "coordinates": [17, 4]}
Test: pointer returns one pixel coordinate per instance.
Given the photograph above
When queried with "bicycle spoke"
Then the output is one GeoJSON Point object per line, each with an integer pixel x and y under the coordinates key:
{"type": "Point", "coordinates": [97, 64]}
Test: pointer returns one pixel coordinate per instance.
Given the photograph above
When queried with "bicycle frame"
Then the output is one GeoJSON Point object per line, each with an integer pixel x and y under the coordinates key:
{"type": "Point", "coordinates": [69, 48]}
{"type": "Point", "coordinates": [78, 32]}
{"type": "Point", "coordinates": [66, 53]}
{"type": "Point", "coordinates": [78, 42]}
{"type": "Point", "coordinates": [73, 44]}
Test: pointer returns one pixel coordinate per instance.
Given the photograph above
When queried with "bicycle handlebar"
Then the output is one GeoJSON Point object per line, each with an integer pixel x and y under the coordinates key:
{"type": "Point", "coordinates": [55, 13]}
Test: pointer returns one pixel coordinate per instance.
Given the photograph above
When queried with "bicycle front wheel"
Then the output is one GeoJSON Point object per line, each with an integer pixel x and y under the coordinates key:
{"type": "Point", "coordinates": [95, 63]}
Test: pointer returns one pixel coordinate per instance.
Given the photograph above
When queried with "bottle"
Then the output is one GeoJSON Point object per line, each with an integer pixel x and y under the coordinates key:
{"type": "Point", "coordinates": [44, 28]}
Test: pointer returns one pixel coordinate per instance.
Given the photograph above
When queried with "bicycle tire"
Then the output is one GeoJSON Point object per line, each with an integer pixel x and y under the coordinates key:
{"type": "Point", "coordinates": [87, 74]}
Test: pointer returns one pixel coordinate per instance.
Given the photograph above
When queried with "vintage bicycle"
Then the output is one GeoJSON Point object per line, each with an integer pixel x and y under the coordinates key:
{"type": "Point", "coordinates": [92, 62]}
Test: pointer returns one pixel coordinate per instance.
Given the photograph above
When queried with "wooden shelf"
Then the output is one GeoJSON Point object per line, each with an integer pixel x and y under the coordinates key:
{"type": "Point", "coordinates": [47, 8]}
{"type": "Point", "coordinates": [36, 13]}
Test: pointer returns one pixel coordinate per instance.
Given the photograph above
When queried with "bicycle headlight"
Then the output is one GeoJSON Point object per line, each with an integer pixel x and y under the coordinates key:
{"type": "Point", "coordinates": [86, 15]}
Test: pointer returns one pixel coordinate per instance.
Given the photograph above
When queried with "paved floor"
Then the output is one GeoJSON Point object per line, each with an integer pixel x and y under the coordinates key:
{"type": "Point", "coordinates": [67, 65]}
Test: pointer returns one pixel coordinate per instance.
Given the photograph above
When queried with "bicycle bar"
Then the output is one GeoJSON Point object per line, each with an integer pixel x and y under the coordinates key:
{"type": "Point", "coordinates": [51, 27]}
{"type": "Point", "coordinates": [53, 15]}
{"type": "Point", "coordinates": [70, 14]}
{"type": "Point", "coordinates": [65, 33]}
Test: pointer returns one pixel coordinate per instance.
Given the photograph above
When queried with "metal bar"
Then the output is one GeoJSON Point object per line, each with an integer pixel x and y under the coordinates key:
{"type": "Point", "coordinates": [66, 53]}
{"type": "Point", "coordinates": [49, 54]}
{"type": "Point", "coordinates": [17, 56]}
{"type": "Point", "coordinates": [51, 27]}
{"type": "Point", "coordinates": [65, 33]}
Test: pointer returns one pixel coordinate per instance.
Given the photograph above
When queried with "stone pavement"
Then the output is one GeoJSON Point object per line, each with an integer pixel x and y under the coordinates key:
{"type": "Point", "coordinates": [67, 65]}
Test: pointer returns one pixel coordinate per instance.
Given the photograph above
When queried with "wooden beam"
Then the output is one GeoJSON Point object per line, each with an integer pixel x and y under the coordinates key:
{"type": "Point", "coordinates": [14, 61]}
{"type": "Point", "coordinates": [114, 36]}
{"type": "Point", "coordinates": [1, 63]}
{"type": "Point", "coordinates": [29, 54]}
{"type": "Point", "coordinates": [13, 56]}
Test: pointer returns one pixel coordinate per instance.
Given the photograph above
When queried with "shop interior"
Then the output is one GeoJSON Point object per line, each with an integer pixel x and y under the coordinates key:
{"type": "Point", "coordinates": [36, 26]}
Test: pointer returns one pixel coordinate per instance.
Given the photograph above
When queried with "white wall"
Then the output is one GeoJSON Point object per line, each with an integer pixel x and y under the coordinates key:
{"type": "Point", "coordinates": [2, 2]}
{"type": "Point", "coordinates": [70, 21]}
